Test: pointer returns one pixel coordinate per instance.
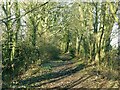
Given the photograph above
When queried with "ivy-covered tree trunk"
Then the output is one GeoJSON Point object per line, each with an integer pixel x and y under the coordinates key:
{"type": "Point", "coordinates": [34, 30]}
{"type": "Point", "coordinates": [7, 47]}
{"type": "Point", "coordinates": [16, 31]}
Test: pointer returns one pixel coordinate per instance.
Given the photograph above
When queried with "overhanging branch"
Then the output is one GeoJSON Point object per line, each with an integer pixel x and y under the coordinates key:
{"type": "Point", "coordinates": [9, 18]}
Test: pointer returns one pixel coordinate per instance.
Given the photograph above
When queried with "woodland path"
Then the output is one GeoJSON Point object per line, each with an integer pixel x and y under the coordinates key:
{"type": "Point", "coordinates": [66, 74]}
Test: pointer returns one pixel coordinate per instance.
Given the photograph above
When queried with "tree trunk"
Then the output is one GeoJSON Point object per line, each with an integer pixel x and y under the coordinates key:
{"type": "Point", "coordinates": [67, 41]}
{"type": "Point", "coordinates": [78, 41]}
{"type": "Point", "coordinates": [95, 32]}
{"type": "Point", "coordinates": [99, 50]}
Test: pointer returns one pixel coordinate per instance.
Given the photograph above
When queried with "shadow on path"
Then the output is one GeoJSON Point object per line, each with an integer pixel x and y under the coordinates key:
{"type": "Point", "coordinates": [53, 75]}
